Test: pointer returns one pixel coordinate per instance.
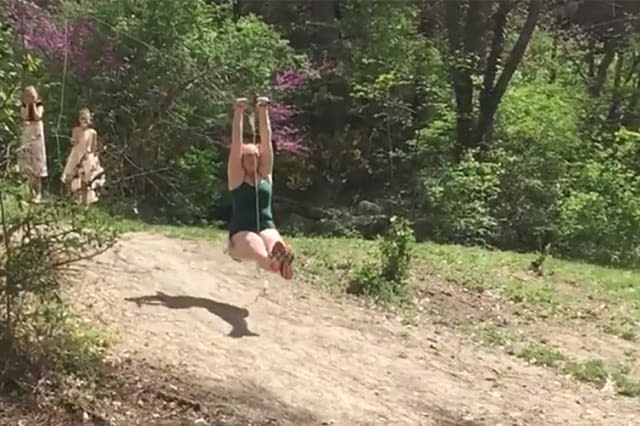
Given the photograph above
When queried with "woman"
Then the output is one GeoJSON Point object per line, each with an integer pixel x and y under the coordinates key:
{"type": "Point", "coordinates": [252, 232]}
{"type": "Point", "coordinates": [83, 173]}
{"type": "Point", "coordinates": [32, 158]}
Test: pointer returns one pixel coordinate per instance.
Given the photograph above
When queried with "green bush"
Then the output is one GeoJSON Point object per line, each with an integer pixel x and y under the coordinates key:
{"type": "Point", "coordinates": [199, 187]}
{"type": "Point", "coordinates": [387, 279]}
{"type": "Point", "coordinates": [39, 337]}
{"type": "Point", "coordinates": [541, 181]}
{"type": "Point", "coordinates": [600, 217]}
{"type": "Point", "coordinates": [10, 73]}
{"type": "Point", "coordinates": [536, 139]}
{"type": "Point", "coordinates": [459, 198]}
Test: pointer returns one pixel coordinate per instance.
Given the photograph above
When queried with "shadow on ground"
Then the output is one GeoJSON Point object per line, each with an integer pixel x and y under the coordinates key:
{"type": "Point", "coordinates": [233, 315]}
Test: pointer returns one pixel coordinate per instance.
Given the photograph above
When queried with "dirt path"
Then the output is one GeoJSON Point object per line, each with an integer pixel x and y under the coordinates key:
{"type": "Point", "coordinates": [307, 360]}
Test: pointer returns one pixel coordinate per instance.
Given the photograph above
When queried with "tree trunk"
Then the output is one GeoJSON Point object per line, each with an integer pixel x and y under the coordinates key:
{"type": "Point", "coordinates": [497, 48]}
{"type": "Point", "coordinates": [323, 17]}
{"type": "Point", "coordinates": [430, 22]}
{"type": "Point", "coordinates": [595, 89]}
{"type": "Point", "coordinates": [487, 114]}
{"type": "Point", "coordinates": [460, 76]}
{"type": "Point", "coordinates": [615, 111]}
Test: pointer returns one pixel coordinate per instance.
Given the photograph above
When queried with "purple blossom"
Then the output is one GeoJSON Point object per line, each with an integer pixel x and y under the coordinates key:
{"type": "Point", "coordinates": [30, 21]}
{"type": "Point", "coordinates": [286, 136]}
{"type": "Point", "coordinates": [281, 113]}
{"type": "Point", "coordinates": [289, 80]}
{"type": "Point", "coordinates": [289, 139]}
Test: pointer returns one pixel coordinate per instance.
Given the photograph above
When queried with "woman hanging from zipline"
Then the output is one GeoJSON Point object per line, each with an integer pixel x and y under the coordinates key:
{"type": "Point", "coordinates": [252, 231]}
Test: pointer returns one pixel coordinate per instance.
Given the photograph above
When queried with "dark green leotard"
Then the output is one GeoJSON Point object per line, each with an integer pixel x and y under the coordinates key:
{"type": "Point", "coordinates": [243, 202]}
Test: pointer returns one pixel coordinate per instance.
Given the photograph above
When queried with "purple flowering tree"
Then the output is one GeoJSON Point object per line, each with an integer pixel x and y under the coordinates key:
{"type": "Point", "coordinates": [286, 135]}
{"type": "Point", "coordinates": [36, 32]}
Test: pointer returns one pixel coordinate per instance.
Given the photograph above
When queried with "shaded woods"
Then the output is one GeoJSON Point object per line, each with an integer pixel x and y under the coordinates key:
{"type": "Point", "coordinates": [507, 123]}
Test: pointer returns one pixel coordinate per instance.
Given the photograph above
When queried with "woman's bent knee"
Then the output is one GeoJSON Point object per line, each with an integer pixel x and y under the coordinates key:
{"type": "Point", "coordinates": [247, 245]}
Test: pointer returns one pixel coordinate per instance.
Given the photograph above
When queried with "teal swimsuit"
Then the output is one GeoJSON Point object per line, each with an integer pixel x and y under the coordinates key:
{"type": "Point", "coordinates": [243, 203]}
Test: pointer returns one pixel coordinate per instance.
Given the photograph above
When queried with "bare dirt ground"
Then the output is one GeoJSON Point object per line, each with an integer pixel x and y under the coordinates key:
{"type": "Point", "coordinates": [295, 357]}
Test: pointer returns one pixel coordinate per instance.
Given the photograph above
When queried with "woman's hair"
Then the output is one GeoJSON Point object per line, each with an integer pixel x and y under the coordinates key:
{"type": "Point", "coordinates": [32, 91]}
{"type": "Point", "coordinates": [86, 113]}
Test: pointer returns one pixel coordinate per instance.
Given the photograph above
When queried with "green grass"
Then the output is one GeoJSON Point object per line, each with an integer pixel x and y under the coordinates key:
{"type": "Point", "coordinates": [565, 288]}
{"type": "Point", "coordinates": [593, 371]}
{"type": "Point", "coordinates": [623, 326]}
{"type": "Point", "coordinates": [539, 354]}
{"type": "Point", "coordinates": [464, 264]}
{"type": "Point", "coordinates": [124, 225]}
{"type": "Point", "coordinates": [328, 262]}
{"type": "Point", "coordinates": [492, 335]}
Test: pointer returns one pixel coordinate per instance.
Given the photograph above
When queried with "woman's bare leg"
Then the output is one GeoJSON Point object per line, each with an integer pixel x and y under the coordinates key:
{"type": "Point", "coordinates": [250, 246]}
{"type": "Point", "coordinates": [271, 237]}
{"type": "Point", "coordinates": [38, 189]}
{"type": "Point", "coordinates": [35, 188]}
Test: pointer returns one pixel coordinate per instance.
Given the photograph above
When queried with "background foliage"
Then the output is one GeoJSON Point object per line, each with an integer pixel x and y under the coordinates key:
{"type": "Point", "coordinates": [509, 124]}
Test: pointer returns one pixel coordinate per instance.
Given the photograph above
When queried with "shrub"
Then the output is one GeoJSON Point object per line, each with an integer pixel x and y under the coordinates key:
{"type": "Point", "coordinates": [387, 279]}
{"type": "Point", "coordinates": [39, 336]}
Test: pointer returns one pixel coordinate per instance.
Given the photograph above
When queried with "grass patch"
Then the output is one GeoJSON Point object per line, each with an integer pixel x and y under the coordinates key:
{"type": "Point", "coordinates": [492, 335]}
{"type": "Point", "coordinates": [567, 289]}
{"type": "Point", "coordinates": [626, 386]}
{"type": "Point", "coordinates": [622, 326]}
{"type": "Point", "coordinates": [539, 354]}
{"type": "Point", "coordinates": [464, 264]}
{"type": "Point", "coordinates": [123, 225]}
{"type": "Point", "coordinates": [593, 371]}
{"type": "Point", "coordinates": [329, 261]}
{"type": "Point", "coordinates": [535, 293]}
{"type": "Point", "coordinates": [590, 371]}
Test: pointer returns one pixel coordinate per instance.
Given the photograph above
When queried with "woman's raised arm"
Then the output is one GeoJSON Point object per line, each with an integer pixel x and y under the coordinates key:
{"type": "Point", "coordinates": [235, 175]}
{"type": "Point", "coordinates": [38, 111]}
{"type": "Point", "coordinates": [266, 147]}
